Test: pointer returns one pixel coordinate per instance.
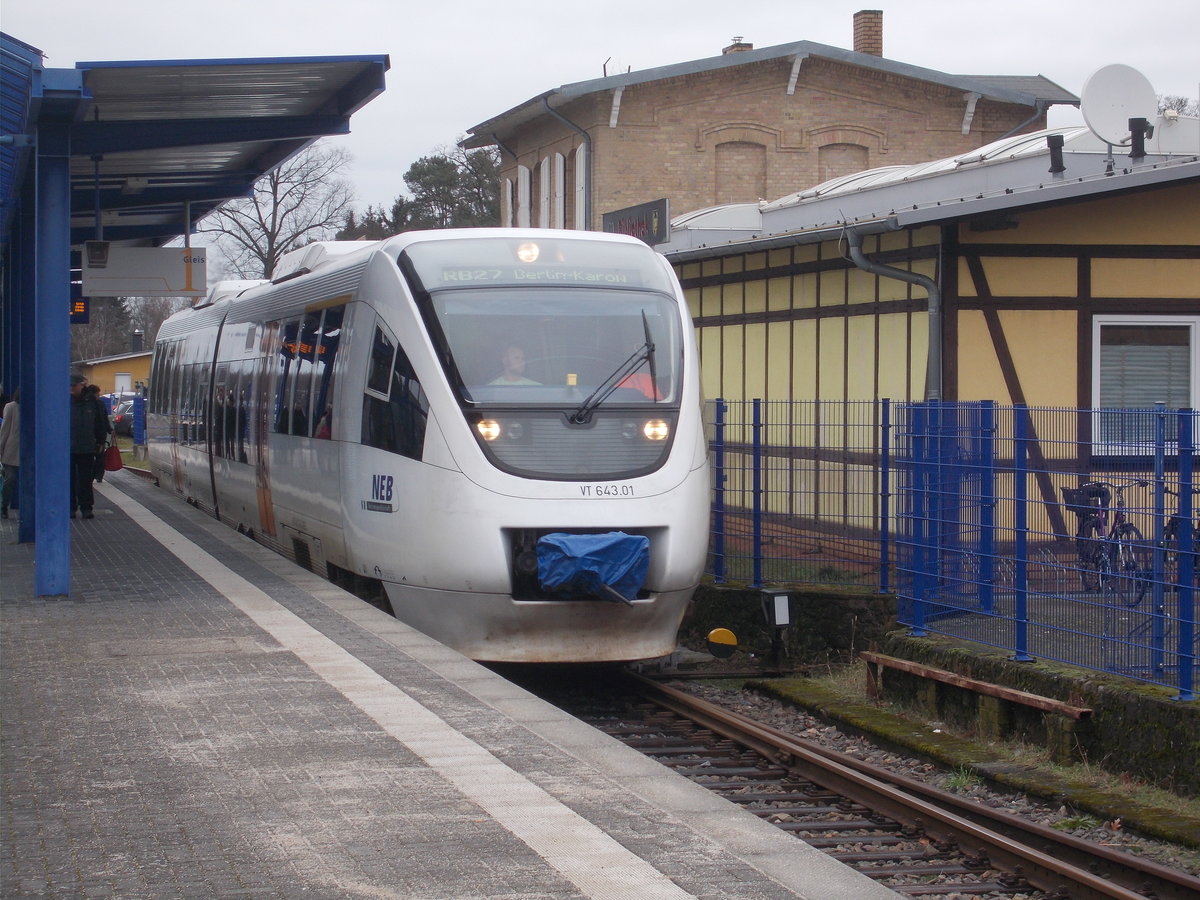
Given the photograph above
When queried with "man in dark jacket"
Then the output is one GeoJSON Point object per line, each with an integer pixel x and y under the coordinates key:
{"type": "Point", "coordinates": [88, 433]}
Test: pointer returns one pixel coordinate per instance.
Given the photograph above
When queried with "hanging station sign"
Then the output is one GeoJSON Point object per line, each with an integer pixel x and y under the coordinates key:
{"type": "Point", "coordinates": [111, 271]}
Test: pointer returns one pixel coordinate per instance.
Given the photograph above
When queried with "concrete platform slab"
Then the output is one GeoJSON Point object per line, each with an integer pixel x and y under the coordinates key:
{"type": "Point", "coordinates": [200, 717]}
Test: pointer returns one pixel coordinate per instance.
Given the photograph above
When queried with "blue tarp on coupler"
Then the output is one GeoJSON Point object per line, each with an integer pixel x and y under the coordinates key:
{"type": "Point", "coordinates": [609, 566]}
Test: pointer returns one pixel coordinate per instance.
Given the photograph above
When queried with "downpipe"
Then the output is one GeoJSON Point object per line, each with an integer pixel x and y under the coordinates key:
{"type": "Point", "coordinates": [933, 365]}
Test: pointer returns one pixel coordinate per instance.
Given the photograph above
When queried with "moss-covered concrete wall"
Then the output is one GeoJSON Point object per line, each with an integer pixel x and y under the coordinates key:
{"type": "Point", "coordinates": [1134, 728]}
{"type": "Point", "coordinates": [828, 625]}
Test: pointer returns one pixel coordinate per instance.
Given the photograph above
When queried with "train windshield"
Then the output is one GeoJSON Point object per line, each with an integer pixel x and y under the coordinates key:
{"type": "Point", "coordinates": [572, 324]}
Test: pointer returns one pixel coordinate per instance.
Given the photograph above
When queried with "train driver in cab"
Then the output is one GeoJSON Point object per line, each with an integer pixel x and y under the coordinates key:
{"type": "Point", "coordinates": [513, 367]}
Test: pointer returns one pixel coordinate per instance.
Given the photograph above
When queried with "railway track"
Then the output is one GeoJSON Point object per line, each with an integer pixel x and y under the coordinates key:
{"type": "Point", "coordinates": [918, 840]}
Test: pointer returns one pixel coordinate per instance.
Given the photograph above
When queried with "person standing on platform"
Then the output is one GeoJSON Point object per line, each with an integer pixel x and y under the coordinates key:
{"type": "Point", "coordinates": [10, 450]}
{"type": "Point", "coordinates": [89, 430]}
{"type": "Point", "coordinates": [102, 410]}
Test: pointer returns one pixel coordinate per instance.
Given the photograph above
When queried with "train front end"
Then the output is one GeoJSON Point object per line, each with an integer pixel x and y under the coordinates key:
{"type": "Point", "coordinates": [566, 479]}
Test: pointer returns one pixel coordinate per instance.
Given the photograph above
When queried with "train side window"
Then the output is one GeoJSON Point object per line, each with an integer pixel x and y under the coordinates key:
{"type": "Point", "coordinates": [328, 340]}
{"type": "Point", "coordinates": [169, 396]}
{"type": "Point", "coordinates": [395, 421]}
{"type": "Point", "coordinates": [185, 400]}
{"type": "Point", "coordinates": [216, 419]}
{"type": "Point", "coordinates": [155, 378]}
{"type": "Point", "coordinates": [307, 342]}
{"type": "Point", "coordinates": [284, 361]}
{"type": "Point", "coordinates": [383, 350]}
{"type": "Point", "coordinates": [203, 396]}
{"type": "Point", "coordinates": [241, 411]}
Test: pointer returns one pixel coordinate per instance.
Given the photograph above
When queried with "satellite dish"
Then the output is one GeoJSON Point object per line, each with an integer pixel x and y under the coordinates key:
{"type": "Point", "coordinates": [1111, 97]}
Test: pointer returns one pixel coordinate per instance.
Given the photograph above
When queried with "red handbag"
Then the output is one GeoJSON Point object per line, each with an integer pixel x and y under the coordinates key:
{"type": "Point", "coordinates": [112, 459]}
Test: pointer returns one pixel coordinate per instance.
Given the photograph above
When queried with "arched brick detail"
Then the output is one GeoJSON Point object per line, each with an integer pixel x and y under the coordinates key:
{"type": "Point", "coordinates": [875, 141]}
{"type": "Point", "coordinates": [740, 133]}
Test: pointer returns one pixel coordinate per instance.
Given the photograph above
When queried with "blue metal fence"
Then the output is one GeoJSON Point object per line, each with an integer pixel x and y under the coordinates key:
{"type": "Point", "coordinates": [798, 494]}
{"type": "Point", "coordinates": [1051, 533]}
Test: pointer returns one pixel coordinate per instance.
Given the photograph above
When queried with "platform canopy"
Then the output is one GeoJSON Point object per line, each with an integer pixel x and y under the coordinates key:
{"type": "Point", "coordinates": [147, 138]}
{"type": "Point", "coordinates": [133, 153]}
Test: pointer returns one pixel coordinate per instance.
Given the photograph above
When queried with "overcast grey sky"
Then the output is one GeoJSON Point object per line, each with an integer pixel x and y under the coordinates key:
{"type": "Point", "coordinates": [454, 65]}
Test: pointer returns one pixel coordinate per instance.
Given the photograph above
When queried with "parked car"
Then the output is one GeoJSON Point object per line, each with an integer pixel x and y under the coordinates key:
{"type": "Point", "coordinates": [122, 418]}
{"type": "Point", "coordinates": [115, 399]}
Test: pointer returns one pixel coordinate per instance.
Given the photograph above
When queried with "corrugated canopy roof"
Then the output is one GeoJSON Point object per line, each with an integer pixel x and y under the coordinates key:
{"type": "Point", "coordinates": [147, 137]}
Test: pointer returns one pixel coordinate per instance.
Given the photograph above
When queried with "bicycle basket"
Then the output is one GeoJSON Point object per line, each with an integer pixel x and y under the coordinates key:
{"type": "Point", "coordinates": [1086, 499]}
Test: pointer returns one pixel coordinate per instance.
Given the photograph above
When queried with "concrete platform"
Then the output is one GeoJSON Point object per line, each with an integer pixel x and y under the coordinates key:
{"type": "Point", "coordinates": [201, 718]}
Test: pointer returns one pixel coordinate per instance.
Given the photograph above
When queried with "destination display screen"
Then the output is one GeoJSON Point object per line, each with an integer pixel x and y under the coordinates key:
{"type": "Point", "coordinates": [538, 274]}
{"type": "Point", "coordinates": [522, 261]}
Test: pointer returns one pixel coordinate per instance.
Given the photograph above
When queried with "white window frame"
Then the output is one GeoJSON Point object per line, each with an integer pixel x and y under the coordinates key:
{"type": "Point", "coordinates": [544, 182]}
{"type": "Point", "coordinates": [524, 195]}
{"type": "Point", "coordinates": [581, 187]}
{"type": "Point", "coordinates": [1099, 321]}
{"type": "Point", "coordinates": [560, 189]}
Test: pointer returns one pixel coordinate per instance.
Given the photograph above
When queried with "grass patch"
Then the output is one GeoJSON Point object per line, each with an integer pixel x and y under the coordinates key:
{"type": "Point", "coordinates": [1076, 823]}
{"type": "Point", "coordinates": [962, 779]}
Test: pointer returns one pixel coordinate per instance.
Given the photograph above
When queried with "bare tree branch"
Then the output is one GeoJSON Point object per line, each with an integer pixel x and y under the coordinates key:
{"type": "Point", "coordinates": [305, 199]}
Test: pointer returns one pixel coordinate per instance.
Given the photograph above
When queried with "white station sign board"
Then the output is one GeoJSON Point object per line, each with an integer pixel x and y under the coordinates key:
{"type": "Point", "coordinates": [110, 271]}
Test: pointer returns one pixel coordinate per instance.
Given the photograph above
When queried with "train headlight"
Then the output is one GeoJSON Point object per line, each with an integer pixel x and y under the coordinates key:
{"type": "Point", "coordinates": [656, 430]}
{"type": "Point", "coordinates": [528, 252]}
{"type": "Point", "coordinates": [516, 431]}
{"type": "Point", "coordinates": [489, 429]}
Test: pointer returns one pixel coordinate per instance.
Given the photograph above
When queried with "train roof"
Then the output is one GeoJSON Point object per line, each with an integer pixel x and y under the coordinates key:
{"type": "Point", "coordinates": [320, 256]}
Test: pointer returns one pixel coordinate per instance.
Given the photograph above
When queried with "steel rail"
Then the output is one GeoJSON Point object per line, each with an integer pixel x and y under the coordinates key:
{"type": "Point", "coordinates": [943, 816]}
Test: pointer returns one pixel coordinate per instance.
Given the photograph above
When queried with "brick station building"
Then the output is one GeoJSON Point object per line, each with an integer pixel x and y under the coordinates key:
{"type": "Point", "coordinates": [749, 124]}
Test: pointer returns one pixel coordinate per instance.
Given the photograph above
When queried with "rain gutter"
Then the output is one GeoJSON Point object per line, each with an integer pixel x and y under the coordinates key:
{"type": "Point", "coordinates": [933, 367]}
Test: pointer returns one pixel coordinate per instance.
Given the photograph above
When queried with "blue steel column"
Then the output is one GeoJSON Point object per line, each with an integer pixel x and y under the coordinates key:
{"type": "Point", "coordinates": [52, 359]}
{"type": "Point", "coordinates": [719, 493]}
{"type": "Point", "coordinates": [920, 505]}
{"type": "Point", "coordinates": [756, 514]}
{"type": "Point", "coordinates": [1021, 531]}
{"type": "Point", "coordinates": [1158, 559]}
{"type": "Point", "coordinates": [1158, 621]}
{"type": "Point", "coordinates": [986, 461]}
{"type": "Point", "coordinates": [885, 491]}
{"type": "Point", "coordinates": [26, 281]}
{"type": "Point", "coordinates": [1186, 556]}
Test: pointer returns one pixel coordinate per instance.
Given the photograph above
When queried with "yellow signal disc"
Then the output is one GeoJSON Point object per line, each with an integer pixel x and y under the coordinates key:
{"type": "Point", "coordinates": [722, 643]}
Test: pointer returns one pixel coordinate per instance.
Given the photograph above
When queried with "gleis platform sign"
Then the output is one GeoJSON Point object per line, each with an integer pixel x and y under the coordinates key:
{"type": "Point", "coordinates": [111, 271]}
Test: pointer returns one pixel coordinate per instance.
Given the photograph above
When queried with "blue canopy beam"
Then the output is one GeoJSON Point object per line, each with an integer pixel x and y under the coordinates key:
{"type": "Point", "coordinates": [89, 138]}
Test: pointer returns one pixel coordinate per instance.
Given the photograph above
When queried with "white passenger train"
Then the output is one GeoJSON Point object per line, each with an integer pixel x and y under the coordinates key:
{"type": "Point", "coordinates": [431, 411]}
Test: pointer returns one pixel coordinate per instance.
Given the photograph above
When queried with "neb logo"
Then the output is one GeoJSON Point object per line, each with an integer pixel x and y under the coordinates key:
{"type": "Point", "coordinates": [381, 487]}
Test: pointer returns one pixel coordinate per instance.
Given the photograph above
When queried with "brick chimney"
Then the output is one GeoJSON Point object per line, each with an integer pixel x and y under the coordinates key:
{"type": "Point", "coordinates": [868, 31]}
{"type": "Point", "coordinates": [737, 46]}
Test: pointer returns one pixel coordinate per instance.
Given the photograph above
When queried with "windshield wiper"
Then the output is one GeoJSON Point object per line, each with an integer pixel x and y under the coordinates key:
{"type": "Point", "coordinates": [644, 353]}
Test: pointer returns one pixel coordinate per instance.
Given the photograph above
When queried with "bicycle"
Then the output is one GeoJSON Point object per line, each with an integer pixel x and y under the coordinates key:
{"type": "Point", "coordinates": [1113, 556]}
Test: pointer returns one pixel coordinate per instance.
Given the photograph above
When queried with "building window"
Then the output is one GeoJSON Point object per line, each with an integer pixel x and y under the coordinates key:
{"type": "Point", "coordinates": [1138, 362]}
